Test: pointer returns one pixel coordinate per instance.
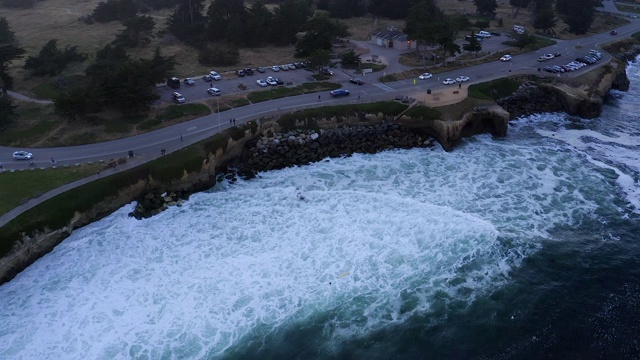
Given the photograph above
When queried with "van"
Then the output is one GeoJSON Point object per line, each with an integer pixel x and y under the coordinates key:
{"type": "Point", "coordinates": [173, 83]}
{"type": "Point", "coordinates": [214, 91]}
{"type": "Point", "coordinates": [484, 34]}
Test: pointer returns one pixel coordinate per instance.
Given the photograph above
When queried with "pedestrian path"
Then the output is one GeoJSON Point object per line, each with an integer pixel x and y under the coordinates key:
{"type": "Point", "coordinates": [383, 87]}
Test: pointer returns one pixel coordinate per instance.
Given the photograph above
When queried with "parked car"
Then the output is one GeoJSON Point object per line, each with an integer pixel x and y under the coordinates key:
{"type": "Point", "coordinates": [425, 76]}
{"type": "Point", "coordinates": [261, 83]}
{"type": "Point", "coordinates": [484, 34]}
{"type": "Point", "coordinates": [356, 81]}
{"type": "Point", "coordinates": [178, 98]}
{"type": "Point", "coordinates": [284, 67]}
{"type": "Point", "coordinates": [549, 69]}
{"type": "Point", "coordinates": [326, 71]}
{"type": "Point", "coordinates": [546, 57]}
{"type": "Point", "coordinates": [462, 78]}
{"type": "Point", "coordinates": [271, 81]}
{"type": "Point", "coordinates": [495, 33]}
{"type": "Point", "coordinates": [261, 69]}
{"type": "Point", "coordinates": [189, 81]}
{"type": "Point", "coordinates": [555, 55]}
{"type": "Point", "coordinates": [207, 78]}
{"type": "Point", "coordinates": [275, 68]}
{"type": "Point", "coordinates": [214, 91]}
{"type": "Point", "coordinates": [449, 81]}
{"type": "Point", "coordinates": [291, 66]}
{"type": "Point", "coordinates": [240, 73]}
{"type": "Point", "coordinates": [22, 155]}
{"type": "Point", "coordinates": [339, 92]}
{"type": "Point", "coordinates": [173, 83]}
{"type": "Point", "coordinates": [215, 76]}
{"type": "Point", "coordinates": [278, 81]}
{"type": "Point", "coordinates": [505, 58]}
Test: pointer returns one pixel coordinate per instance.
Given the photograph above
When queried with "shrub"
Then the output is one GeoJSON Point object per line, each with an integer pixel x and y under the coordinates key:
{"type": "Point", "coordinates": [218, 54]}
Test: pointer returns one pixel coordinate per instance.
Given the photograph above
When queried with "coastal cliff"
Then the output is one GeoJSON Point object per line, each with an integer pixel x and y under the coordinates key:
{"type": "Point", "coordinates": [581, 97]}
{"type": "Point", "coordinates": [265, 145]}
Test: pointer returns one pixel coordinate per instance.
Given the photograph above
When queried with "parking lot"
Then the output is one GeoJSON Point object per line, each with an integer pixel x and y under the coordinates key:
{"type": "Point", "coordinates": [231, 83]}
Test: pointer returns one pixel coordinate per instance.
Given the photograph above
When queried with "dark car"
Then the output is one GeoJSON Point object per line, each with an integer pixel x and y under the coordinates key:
{"type": "Point", "coordinates": [557, 54]}
{"type": "Point", "coordinates": [248, 71]}
{"type": "Point", "coordinates": [278, 81]}
{"type": "Point", "coordinates": [356, 81]}
{"type": "Point", "coordinates": [613, 32]}
{"type": "Point", "coordinates": [240, 73]}
{"type": "Point", "coordinates": [207, 78]}
{"type": "Point", "coordinates": [339, 92]}
{"type": "Point", "coordinates": [261, 69]}
{"type": "Point", "coordinates": [173, 82]}
{"type": "Point", "coordinates": [495, 33]}
{"type": "Point", "coordinates": [326, 71]}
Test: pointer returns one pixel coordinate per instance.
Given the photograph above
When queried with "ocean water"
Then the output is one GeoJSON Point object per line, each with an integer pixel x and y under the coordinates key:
{"type": "Point", "coordinates": [521, 247]}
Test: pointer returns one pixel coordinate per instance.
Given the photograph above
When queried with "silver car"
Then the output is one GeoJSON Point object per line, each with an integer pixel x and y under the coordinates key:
{"type": "Point", "coordinates": [22, 155]}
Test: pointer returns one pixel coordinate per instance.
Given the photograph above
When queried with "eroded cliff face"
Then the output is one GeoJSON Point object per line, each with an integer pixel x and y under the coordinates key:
{"type": "Point", "coordinates": [571, 97]}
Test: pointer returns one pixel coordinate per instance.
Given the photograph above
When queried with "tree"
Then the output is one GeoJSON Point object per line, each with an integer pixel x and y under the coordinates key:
{"type": "Point", "coordinates": [6, 35]}
{"type": "Point", "coordinates": [7, 111]}
{"type": "Point", "coordinates": [113, 10]}
{"type": "Point", "coordinates": [320, 31]}
{"type": "Point", "coordinates": [486, 7]}
{"type": "Point", "coordinates": [51, 60]}
{"type": "Point", "coordinates": [524, 40]}
{"type": "Point", "coordinates": [259, 21]}
{"type": "Point", "coordinates": [225, 20]}
{"type": "Point", "coordinates": [218, 54]}
{"type": "Point", "coordinates": [74, 103]}
{"type": "Point", "coordinates": [398, 9]}
{"type": "Point", "coordinates": [319, 58]}
{"type": "Point", "coordinates": [545, 20]}
{"type": "Point", "coordinates": [350, 58]}
{"type": "Point", "coordinates": [9, 51]}
{"type": "Point", "coordinates": [138, 31]}
{"type": "Point", "coordinates": [516, 5]}
{"type": "Point", "coordinates": [345, 9]}
{"type": "Point", "coordinates": [424, 25]}
{"type": "Point", "coordinates": [188, 23]}
{"type": "Point", "coordinates": [579, 15]}
{"type": "Point", "coordinates": [473, 45]}
{"type": "Point", "coordinates": [288, 19]}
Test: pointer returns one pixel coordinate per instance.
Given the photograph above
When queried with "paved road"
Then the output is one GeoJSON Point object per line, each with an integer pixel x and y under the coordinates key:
{"type": "Point", "coordinates": [151, 143]}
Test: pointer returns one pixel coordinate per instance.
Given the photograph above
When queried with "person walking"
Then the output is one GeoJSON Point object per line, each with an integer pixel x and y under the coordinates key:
{"type": "Point", "coordinates": [318, 97]}
{"type": "Point", "coordinates": [234, 121]}
{"type": "Point", "coordinates": [181, 140]}
{"type": "Point", "coordinates": [53, 161]}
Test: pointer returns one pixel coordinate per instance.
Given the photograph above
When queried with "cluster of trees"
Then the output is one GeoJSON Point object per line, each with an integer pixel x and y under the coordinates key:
{"type": "Point", "coordinates": [578, 15]}
{"type": "Point", "coordinates": [9, 50]}
{"type": "Point", "coordinates": [432, 28]}
{"type": "Point", "coordinates": [233, 22]}
{"type": "Point", "coordinates": [115, 80]}
{"type": "Point", "coordinates": [120, 10]}
{"type": "Point", "coordinates": [51, 60]}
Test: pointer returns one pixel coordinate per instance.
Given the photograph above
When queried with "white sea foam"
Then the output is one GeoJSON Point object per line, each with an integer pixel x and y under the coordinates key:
{"type": "Point", "coordinates": [375, 241]}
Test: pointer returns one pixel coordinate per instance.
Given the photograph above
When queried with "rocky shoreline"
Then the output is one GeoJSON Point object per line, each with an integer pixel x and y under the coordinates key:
{"type": "Point", "coordinates": [267, 147]}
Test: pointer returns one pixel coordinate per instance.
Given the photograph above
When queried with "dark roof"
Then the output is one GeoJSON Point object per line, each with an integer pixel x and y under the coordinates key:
{"type": "Point", "coordinates": [391, 35]}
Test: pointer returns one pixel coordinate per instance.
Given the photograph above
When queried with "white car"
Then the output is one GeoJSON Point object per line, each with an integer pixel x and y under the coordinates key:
{"type": "Point", "coordinates": [462, 78]}
{"type": "Point", "coordinates": [546, 57]}
{"type": "Point", "coordinates": [449, 81]}
{"type": "Point", "coordinates": [271, 81]}
{"type": "Point", "coordinates": [275, 68]}
{"type": "Point", "coordinates": [484, 34]}
{"type": "Point", "coordinates": [22, 155]}
{"type": "Point", "coordinates": [214, 91]}
{"type": "Point", "coordinates": [425, 76]}
{"type": "Point", "coordinates": [284, 67]}
{"type": "Point", "coordinates": [189, 81]}
{"type": "Point", "coordinates": [261, 83]}
{"type": "Point", "coordinates": [505, 58]}
{"type": "Point", "coordinates": [215, 76]}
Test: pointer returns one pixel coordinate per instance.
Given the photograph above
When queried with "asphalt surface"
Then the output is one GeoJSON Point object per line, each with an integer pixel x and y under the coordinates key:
{"type": "Point", "coordinates": [177, 136]}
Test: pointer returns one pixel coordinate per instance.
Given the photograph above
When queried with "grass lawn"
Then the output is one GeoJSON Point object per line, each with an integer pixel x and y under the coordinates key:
{"type": "Point", "coordinates": [628, 7]}
{"type": "Point", "coordinates": [27, 184]}
{"type": "Point", "coordinates": [280, 92]}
